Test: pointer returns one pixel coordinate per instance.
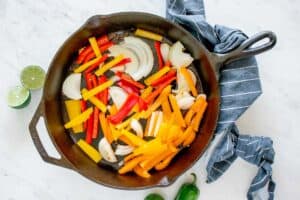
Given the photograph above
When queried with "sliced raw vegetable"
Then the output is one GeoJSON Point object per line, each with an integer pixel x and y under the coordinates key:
{"type": "Point", "coordinates": [71, 86]}
{"type": "Point", "coordinates": [129, 80]}
{"type": "Point", "coordinates": [128, 166]}
{"type": "Point", "coordinates": [158, 54]}
{"type": "Point", "coordinates": [33, 77]}
{"type": "Point", "coordinates": [109, 65]}
{"type": "Point", "coordinates": [176, 110]}
{"type": "Point", "coordinates": [106, 130]}
{"type": "Point", "coordinates": [137, 127]}
{"type": "Point", "coordinates": [79, 119]}
{"type": "Point", "coordinates": [164, 49]}
{"type": "Point", "coordinates": [148, 34]}
{"type": "Point", "coordinates": [141, 172]}
{"type": "Point", "coordinates": [106, 150]}
{"type": "Point", "coordinates": [123, 150]}
{"type": "Point", "coordinates": [189, 80]}
{"type": "Point", "coordinates": [144, 53]}
{"type": "Point", "coordinates": [95, 123]}
{"type": "Point", "coordinates": [18, 97]}
{"type": "Point", "coordinates": [182, 84]}
{"type": "Point", "coordinates": [95, 46]}
{"type": "Point", "coordinates": [73, 108]}
{"type": "Point", "coordinates": [89, 150]}
{"type": "Point", "coordinates": [129, 88]}
{"type": "Point", "coordinates": [165, 78]}
{"type": "Point", "coordinates": [97, 64]}
{"type": "Point", "coordinates": [97, 89]}
{"type": "Point", "coordinates": [177, 57]}
{"type": "Point", "coordinates": [118, 96]}
{"type": "Point", "coordinates": [95, 101]}
{"type": "Point", "coordinates": [157, 75]}
{"type": "Point", "coordinates": [132, 66]}
{"type": "Point", "coordinates": [146, 92]}
{"type": "Point", "coordinates": [137, 141]}
{"type": "Point", "coordinates": [184, 100]}
{"type": "Point", "coordinates": [86, 65]}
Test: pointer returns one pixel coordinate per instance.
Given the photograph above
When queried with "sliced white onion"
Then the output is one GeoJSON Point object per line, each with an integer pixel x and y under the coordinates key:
{"type": "Point", "coordinates": [71, 86]}
{"type": "Point", "coordinates": [144, 53]}
{"type": "Point", "coordinates": [154, 124]}
{"type": "Point", "coordinates": [123, 150]}
{"type": "Point", "coordinates": [137, 127]}
{"type": "Point", "coordinates": [164, 50]}
{"type": "Point", "coordinates": [184, 100]}
{"type": "Point", "coordinates": [179, 58]}
{"type": "Point", "coordinates": [118, 95]}
{"type": "Point", "coordinates": [129, 68]}
{"type": "Point", "coordinates": [106, 151]}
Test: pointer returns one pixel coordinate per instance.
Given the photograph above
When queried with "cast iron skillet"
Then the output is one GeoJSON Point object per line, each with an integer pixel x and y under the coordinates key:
{"type": "Point", "coordinates": [207, 65]}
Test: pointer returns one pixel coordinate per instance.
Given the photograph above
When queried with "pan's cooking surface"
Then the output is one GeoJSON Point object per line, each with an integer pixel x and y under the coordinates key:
{"type": "Point", "coordinates": [117, 38]}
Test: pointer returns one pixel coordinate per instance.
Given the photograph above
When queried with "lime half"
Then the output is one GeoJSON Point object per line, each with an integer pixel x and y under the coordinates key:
{"type": "Point", "coordinates": [18, 97]}
{"type": "Point", "coordinates": [33, 77]}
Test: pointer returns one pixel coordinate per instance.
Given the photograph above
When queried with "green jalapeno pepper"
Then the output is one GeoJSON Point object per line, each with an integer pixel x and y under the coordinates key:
{"type": "Point", "coordinates": [153, 196]}
{"type": "Point", "coordinates": [188, 191]}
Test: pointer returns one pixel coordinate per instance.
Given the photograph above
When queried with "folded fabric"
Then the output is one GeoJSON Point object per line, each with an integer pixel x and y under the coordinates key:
{"type": "Point", "coordinates": [239, 88]}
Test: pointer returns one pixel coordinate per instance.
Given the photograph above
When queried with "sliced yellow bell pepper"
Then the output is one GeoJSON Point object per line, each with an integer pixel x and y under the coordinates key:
{"type": "Point", "coordinates": [137, 141]}
{"type": "Point", "coordinates": [157, 75]}
{"type": "Point", "coordinates": [109, 65]}
{"type": "Point", "coordinates": [74, 109]}
{"type": "Point", "coordinates": [113, 109]}
{"type": "Point", "coordinates": [187, 76]}
{"type": "Point", "coordinates": [183, 136]}
{"type": "Point", "coordinates": [156, 158]}
{"type": "Point", "coordinates": [146, 92]}
{"type": "Point", "coordinates": [97, 89]}
{"type": "Point", "coordinates": [176, 110]}
{"type": "Point", "coordinates": [128, 120]}
{"type": "Point", "coordinates": [95, 101]}
{"type": "Point", "coordinates": [89, 150]}
{"type": "Point", "coordinates": [148, 35]}
{"type": "Point", "coordinates": [148, 148]}
{"type": "Point", "coordinates": [79, 119]}
{"type": "Point", "coordinates": [84, 66]}
{"type": "Point", "coordinates": [95, 46]}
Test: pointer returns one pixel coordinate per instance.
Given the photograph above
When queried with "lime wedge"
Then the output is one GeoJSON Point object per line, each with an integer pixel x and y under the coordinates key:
{"type": "Point", "coordinates": [18, 97]}
{"type": "Point", "coordinates": [33, 77]}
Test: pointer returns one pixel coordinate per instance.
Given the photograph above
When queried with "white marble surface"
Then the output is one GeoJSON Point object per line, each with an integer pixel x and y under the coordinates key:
{"type": "Point", "coordinates": [30, 33]}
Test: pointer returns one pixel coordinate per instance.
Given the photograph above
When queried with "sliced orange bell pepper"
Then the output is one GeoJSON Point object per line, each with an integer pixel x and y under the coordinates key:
{"type": "Point", "coordinates": [105, 128]}
{"type": "Point", "coordinates": [198, 117]}
{"type": "Point", "coordinates": [141, 172]}
{"type": "Point", "coordinates": [189, 139]}
{"type": "Point", "coordinates": [187, 76]}
{"type": "Point", "coordinates": [183, 136]}
{"type": "Point", "coordinates": [162, 165]}
{"type": "Point", "coordinates": [154, 160]}
{"type": "Point", "coordinates": [176, 110]}
{"type": "Point", "coordinates": [193, 110]}
{"type": "Point", "coordinates": [128, 166]}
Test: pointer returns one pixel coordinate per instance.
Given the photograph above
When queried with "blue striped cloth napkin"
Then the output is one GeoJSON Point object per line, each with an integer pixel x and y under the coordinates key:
{"type": "Point", "coordinates": [239, 87]}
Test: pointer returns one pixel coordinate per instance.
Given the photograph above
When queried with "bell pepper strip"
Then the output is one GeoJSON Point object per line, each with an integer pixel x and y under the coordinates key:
{"type": "Point", "coordinates": [142, 104]}
{"type": "Point", "coordinates": [125, 109]}
{"type": "Point", "coordinates": [187, 76]}
{"type": "Point", "coordinates": [73, 108]}
{"type": "Point", "coordinates": [89, 150]}
{"type": "Point", "coordinates": [127, 167]}
{"type": "Point", "coordinates": [97, 89]}
{"type": "Point", "coordinates": [123, 62]}
{"type": "Point", "coordinates": [95, 123]}
{"type": "Point", "coordinates": [82, 55]}
{"type": "Point", "coordinates": [162, 165]}
{"type": "Point", "coordinates": [103, 96]}
{"type": "Point", "coordinates": [193, 110]}
{"type": "Point", "coordinates": [105, 128]}
{"type": "Point", "coordinates": [89, 132]}
{"type": "Point", "coordinates": [95, 47]}
{"type": "Point", "coordinates": [88, 81]}
{"type": "Point", "coordinates": [189, 139]}
{"type": "Point", "coordinates": [113, 109]}
{"type": "Point", "coordinates": [141, 172]}
{"type": "Point", "coordinates": [102, 40]}
{"type": "Point", "coordinates": [95, 101]}
{"type": "Point", "coordinates": [157, 75]}
{"type": "Point", "coordinates": [174, 133]}
{"type": "Point", "coordinates": [159, 89]}
{"type": "Point", "coordinates": [79, 119]}
{"type": "Point", "coordinates": [183, 136]}
{"type": "Point", "coordinates": [84, 66]}
{"type": "Point", "coordinates": [125, 123]}
{"type": "Point", "coordinates": [166, 108]}
{"type": "Point", "coordinates": [198, 117]}
{"type": "Point", "coordinates": [124, 139]}
{"type": "Point", "coordinates": [168, 63]}
{"type": "Point", "coordinates": [129, 80]}
{"type": "Point", "coordinates": [109, 65]}
{"type": "Point", "coordinates": [156, 159]}
{"type": "Point", "coordinates": [166, 77]}
{"type": "Point", "coordinates": [83, 105]}
{"type": "Point", "coordinates": [106, 46]}
{"type": "Point", "coordinates": [148, 34]}
{"type": "Point", "coordinates": [137, 141]}
{"type": "Point", "coordinates": [96, 65]}
{"type": "Point", "coordinates": [146, 92]}
{"type": "Point", "coordinates": [177, 112]}
{"type": "Point", "coordinates": [159, 56]}
{"type": "Point", "coordinates": [89, 57]}
{"type": "Point", "coordinates": [129, 89]}
{"type": "Point", "coordinates": [163, 131]}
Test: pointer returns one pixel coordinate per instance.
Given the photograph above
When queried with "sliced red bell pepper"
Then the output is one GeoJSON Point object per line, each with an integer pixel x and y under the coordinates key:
{"type": "Point", "coordinates": [142, 104]}
{"type": "Point", "coordinates": [89, 57]}
{"type": "Point", "coordinates": [96, 65]}
{"type": "Point", "coordinates": [103, 96]}
{"type": "Point", "coordinates": [158, 53]}
{"type": "Point", "coordinates": [123, 62]}
{"type": "Point", "coordinates": [83, 54]}
{"type": "Point", "coordinates": [89, 132]}
{"type": "Point", "coordinates": [168, 63]}
{"type": "Point", "coordinates": [83, 108]}
{"type": "Point", "coordinates": [166, 77]}
{"type": "Point", "coordinates": [125, 109]}
{"type": "Point", "coordinates": [128, 88]}
{"type": "Point", "coordinates": [88, 81]}
{"type": "Point", "coordinates": [102, 40]}
{"type": "Point", "coordinates": [106, 46]}
{"type": "Point", "coordinates": [129, 80]}
{"type": "Point", "coordinates": [149, 99]}
{"type": "Point", "coordinates": [95, 123]}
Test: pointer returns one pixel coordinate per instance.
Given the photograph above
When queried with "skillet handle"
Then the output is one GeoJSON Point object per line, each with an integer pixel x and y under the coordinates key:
{"type": "Point", "coordinates": [37, 141]}
{"type": "Point", "coordinates": [245, 50]}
